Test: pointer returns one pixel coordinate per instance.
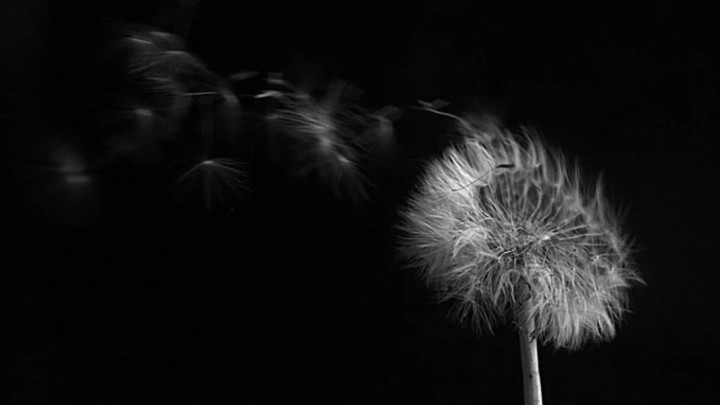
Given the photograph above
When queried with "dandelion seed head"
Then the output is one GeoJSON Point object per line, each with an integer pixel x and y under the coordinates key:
{"type": "Point", "coordinates": [502, 226]}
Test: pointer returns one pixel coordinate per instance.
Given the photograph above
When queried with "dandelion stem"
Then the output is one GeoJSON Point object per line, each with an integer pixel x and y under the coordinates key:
{"type": "Point", "coordinates": [530, 363]}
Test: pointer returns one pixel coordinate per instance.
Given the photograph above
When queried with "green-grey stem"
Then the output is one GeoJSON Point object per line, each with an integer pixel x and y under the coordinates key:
{"type": "Point", "coordinates": [530, 364]}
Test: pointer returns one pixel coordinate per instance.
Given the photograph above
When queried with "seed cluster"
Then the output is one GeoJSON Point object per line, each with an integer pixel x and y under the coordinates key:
{"type": "Point", "coordinates": [503, 227]}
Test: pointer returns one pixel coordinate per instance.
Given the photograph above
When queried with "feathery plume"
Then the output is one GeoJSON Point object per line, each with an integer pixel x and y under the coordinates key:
{"type": "Point", "coordinates": [221, 182]}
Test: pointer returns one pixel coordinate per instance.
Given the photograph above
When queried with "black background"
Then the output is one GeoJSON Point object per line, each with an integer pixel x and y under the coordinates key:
{"type": "Point", "coordinates": [292, 296]}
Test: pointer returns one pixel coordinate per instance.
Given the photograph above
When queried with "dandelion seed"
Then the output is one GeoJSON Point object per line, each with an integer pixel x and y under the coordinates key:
{"type": "Point", "coordinates": [146, 121]}
{"type": "Point", "coordinates": [64, 187]}
{"type": "Point", "coordinates": [378, 136]}
{"type": "Point", "coordinates": [155, 53]}
{"type": "Point", "coordinates": [229, 111]}
{"type": "Point", "coordinates": [320, 137]}
{"type": "Point", "coordinates": [150, 56]}
{"type": "Point", "coordinates": [220, 182]}
{"type": "Point", "coordinates": [167, 64]}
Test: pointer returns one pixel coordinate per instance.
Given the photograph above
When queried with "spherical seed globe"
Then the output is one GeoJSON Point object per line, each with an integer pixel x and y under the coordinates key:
{"type": "Point", "coordinates": [505, 227]}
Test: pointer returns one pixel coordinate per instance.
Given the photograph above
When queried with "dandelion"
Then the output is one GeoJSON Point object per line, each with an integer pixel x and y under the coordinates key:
{"type": "Point", "coordinates": [220, 182]}
{"type": "Point", "coordinates": [503, 227]}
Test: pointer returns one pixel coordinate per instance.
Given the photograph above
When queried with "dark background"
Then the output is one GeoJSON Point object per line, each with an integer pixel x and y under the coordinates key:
{"type": "Point", "coordinates": [116, 296]}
